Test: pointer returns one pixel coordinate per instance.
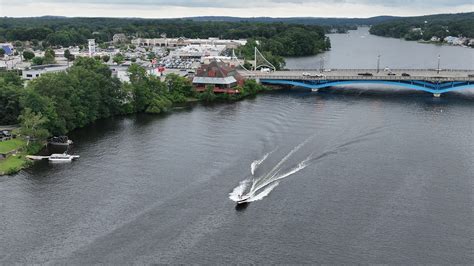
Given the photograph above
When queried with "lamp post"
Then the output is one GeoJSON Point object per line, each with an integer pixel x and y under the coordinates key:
{"type": "Point", "coordinates": [439, 61]}
{"type": "Point", "coordinates": [378, 63]}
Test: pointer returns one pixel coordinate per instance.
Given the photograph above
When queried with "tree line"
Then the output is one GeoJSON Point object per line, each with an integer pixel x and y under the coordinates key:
{"type": "Point", "coordinates": [281, 39]}
{"type": "Point", "coordinates": [56, 103]}
{"type": "Point", "coordinates": [440, 26]}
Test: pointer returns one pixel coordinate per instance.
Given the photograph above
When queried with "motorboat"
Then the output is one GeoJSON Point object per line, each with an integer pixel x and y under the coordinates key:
{"type": "Point", "coordinates": [62, 158]}
{"type": "Point", "coordinates": [60, 141]}
{"type": "Point", "coordinates": [243, 199]}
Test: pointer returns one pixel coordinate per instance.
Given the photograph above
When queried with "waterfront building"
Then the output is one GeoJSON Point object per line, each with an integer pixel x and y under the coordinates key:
{"type": "Point", "coordinates": [222, 77]}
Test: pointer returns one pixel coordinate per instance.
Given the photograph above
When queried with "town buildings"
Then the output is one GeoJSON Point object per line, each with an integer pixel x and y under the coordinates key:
{"type": "Point", "coordinates": [180, 42]}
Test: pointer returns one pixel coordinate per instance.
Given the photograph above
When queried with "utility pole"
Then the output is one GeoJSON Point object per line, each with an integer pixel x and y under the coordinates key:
{"type": "Point", "coordinates": [439, 61]}
{"type": "Point", "coordinates": [378, 63]}
{"type": "Point", "coordinates": [322, 64]}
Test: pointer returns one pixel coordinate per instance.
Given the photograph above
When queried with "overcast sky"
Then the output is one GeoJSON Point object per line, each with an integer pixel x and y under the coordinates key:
{"type": "Point", "coordinates": [237, 8]}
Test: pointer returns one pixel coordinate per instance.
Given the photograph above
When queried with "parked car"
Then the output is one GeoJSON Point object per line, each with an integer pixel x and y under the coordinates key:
{"type": "Point", "coordinates": [6, 135]}
{"type": "Point", "coordinates": [365, 74]}
{"type": "Point", "coordinates": [405, 75]}
{"type": "Point", "coordinates": [470, 76]}
{"type": "Point", "coordinates": [305, 74]}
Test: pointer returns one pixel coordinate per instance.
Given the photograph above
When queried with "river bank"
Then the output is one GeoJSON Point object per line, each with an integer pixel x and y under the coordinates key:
{"type": "Point", "coordinates": [17, 150]}
{"type": "Point", "coordinates": [12, 156]}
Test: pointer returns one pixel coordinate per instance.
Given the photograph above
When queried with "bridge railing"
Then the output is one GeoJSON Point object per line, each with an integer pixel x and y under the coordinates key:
{"type": "Point", "coordinates": [380, 70]}
{"type": "Point", "coordinates": [357, 77]}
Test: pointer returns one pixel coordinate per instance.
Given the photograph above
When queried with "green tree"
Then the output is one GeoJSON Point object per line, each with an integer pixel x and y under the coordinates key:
{"type": "Point", "coordinates": [38, 60]}
{"type": "Point", "coordinates": [32, 125]}
{"type": "Point", "coordinates": [10, 90]}
{"type": "Point", "coordinates": [105, 58]}
{"type": "Point", "coordinates": [68, 55]}
{"type": "Point", "coordinates": [179, 84]}
{"type": "Point", "coordinates": [28, 55]}
{"type": "Point", "coordinates": [119, 58]}
{"type": "Point", "coordinates": [208, 95]}
{"type": "Point", "coordinates": [2, 53]}
{"type": "Point", "coordinates": [151, 55]}
{"type": "Point", "coordinates": [49, 57]}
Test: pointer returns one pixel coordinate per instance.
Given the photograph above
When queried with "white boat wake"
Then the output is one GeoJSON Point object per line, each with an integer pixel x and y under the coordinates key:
{"type": "Point", "coordinates": [258, 187]}
{"type": "Point", "coordinates": [262, 186]}
{"type": "Point", "coordinates": [256, 163]}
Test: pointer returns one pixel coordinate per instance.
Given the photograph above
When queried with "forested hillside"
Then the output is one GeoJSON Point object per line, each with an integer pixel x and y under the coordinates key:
{"type": "Point", "coordinates": [425, 27]}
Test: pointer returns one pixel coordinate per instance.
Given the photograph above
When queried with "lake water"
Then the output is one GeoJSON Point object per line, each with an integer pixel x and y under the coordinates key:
{"type": "Point", "coordinates": [377, 176]}
{"type": "Point", "coordinates": [358, 49]}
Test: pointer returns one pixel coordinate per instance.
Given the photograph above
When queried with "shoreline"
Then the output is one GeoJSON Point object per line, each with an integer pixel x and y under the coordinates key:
{"type": "Point", "coordinates": [18, 161]}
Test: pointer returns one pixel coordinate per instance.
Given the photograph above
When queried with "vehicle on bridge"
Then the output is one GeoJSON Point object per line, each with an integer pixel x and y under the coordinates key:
{"type": "Point", "coordinates": [367, 74]}
{"type": "Point", "coordinates": [313, 75]}
{"type": "Point", "coordinates": [405, 75]}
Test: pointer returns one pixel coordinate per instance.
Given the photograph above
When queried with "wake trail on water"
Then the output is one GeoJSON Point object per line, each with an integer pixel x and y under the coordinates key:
{"type": "Point", "coordinates": [258, 188]}
{"type": "Point", "coordinates": [257, 163]}
{"type": "Point", "coordinates": [262, 186]}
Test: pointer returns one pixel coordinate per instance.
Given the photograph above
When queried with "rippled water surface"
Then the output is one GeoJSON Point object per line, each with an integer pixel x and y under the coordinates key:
{"type": "Point", "coordinates": [389, 179]}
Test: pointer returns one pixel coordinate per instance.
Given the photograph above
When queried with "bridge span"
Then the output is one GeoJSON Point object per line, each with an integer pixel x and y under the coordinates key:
{"type": "Point", "coordinates": [432, 81]}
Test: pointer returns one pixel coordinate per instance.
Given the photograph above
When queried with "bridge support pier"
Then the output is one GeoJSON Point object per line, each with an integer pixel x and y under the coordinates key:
{"type": "Point", "coordinates": [437, 95]}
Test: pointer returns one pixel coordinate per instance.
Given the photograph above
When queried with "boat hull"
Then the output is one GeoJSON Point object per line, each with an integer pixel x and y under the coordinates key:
{"type": "Point", "coordinates": [60, 160]}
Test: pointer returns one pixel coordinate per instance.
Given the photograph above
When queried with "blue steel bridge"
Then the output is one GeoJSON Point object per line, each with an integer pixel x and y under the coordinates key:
{"type": "Point", "coordinates": [428, 80]}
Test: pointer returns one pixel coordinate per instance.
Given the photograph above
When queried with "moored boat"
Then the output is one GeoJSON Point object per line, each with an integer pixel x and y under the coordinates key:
{"type": "Point", "coordinates": [62, 158]}
{"type": "Point", "coordinates": [60, 141]}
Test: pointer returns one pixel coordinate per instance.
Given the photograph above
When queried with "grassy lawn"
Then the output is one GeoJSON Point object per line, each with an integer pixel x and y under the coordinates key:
{"type": "Point", "coordinates": [11, 164]}
{"type": "Point", "coordinates": [10, 145]}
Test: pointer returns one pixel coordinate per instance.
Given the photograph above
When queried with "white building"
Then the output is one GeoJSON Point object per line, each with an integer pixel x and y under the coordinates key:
{"type": "Point", "coordinates": [197, 51]}
{"type": "Point", "coordinates": [91, 47]}
{"type": "Point", "coordinates": [36, 71]}
{"type": "Point", "coordinates": [179, 42]}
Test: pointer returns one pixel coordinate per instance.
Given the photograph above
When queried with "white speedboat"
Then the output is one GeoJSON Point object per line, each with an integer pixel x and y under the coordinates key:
{"type": "Point", "coordinates": [62, 158]}
{"type": "Point", "coordinates": [243, 199]}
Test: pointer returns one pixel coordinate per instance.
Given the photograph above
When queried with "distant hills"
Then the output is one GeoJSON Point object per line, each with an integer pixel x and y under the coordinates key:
{"type": "Point", "coordinates": [339, 21]}
{"type": "Point", "coordinates": [302, 20]}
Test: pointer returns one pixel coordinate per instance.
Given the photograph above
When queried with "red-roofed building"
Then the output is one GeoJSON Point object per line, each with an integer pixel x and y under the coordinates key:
{"type": "Point", "coordinates": [222, 77]}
